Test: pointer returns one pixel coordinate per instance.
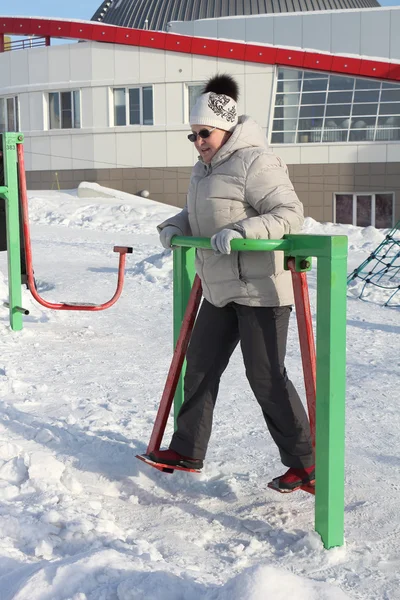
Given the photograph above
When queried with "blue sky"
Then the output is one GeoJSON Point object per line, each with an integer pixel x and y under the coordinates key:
{"type": "Point", "coordinates": [74, 9]}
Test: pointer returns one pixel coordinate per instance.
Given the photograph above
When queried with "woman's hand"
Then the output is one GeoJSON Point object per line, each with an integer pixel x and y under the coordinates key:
{"type": "Point", "coordinates": [167, 233]}
{"type": "Point", "coordinates": [221, 241]}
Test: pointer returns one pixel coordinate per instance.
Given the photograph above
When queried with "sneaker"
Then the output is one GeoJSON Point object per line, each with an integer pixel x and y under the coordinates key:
{"type": "Point", "coordinates": [293, 479]}
{"type": "Point", "coordinates": [170, 457]}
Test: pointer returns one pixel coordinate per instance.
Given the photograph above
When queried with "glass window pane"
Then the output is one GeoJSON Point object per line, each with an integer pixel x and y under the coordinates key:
{"type": "Point", "coordinates": [368, 96]}
{"type": "Point", "coordinates": [362, 135]}
{"type": "Point", "coordinates": [119, 107]}
{"type": "Point", "coordinates": [311, 136]}
{"type": "Point", "coordinates": [389, 121]}
{"type": "Point", "coordinates": [284, 124]}
{"type": "Point", "coordinates": [194, 91]}
{"type": "Point", "coordinates": [2, 115]}
{"type": "Point", "coordinates": [383, 211]}
{"type": "Point", "coordinates": [390, 84]}
{"type": "Point", "coordinates": [336, 82]}
{"type": "Point", "coordinates": [344, 208]}
{"type": "Point", "coordinates": [365, 122]}
{"type": "Point", "coordinates": [289, 74]}
{"type": "Point", "coordinates": [66, 110]}
{"type": "Point", "coordinates": [367, 84]}
{"type": "Point", "coordinates": [147, 105]}
{"type": "Point", "coordinates": [77, 109]}
{"type": "Point", "coordinates": [305, 124]}
{"type": "Point", "coordinates": [311, 111]}
{"type": "Point", "coordinates": [387, 135]}
{"type": "Point", "coordinates": [364, 211]}
{"type": "Point", "coordinates": [337, 123]}
{"type": "Point", "coordinates": [313, 98]}
{"type": "Point", "coordinates": [389, 109]}
{"type": "Point", "coordinates": [338, 110]}
{"type": "Point", "coordinates": [334, 135]}
{"type": "Point", "coordinates": [286, 112]}
{"type": "Point", "coordinates": [287, 99]}
{"type": "Point", "coordinates": [315, 85]}
{"type": "Point", "coordinates": [286, 137]}
{"type": "Point", "coordinates": [10, 115]}
{"type": "Point", "coordinates": [365, 109]}
{"type": "Point", "coordinates": [314, 75]}
{"type": "Point", "coordinates": [390, 95]}
{"type": "Point", "coordinates": [340, 97]}
{"type": "Point", "coordinates": [134, 106]}
{"type": "Point", "coordinates": [54, 110]}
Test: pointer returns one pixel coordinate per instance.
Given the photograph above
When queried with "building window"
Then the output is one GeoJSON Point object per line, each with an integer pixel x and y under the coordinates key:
{"type": "Point", "coordinates": [317, 107]}
{"type": "Point", "coordinates": [65, 110]}
{"type": "Point", "coordinates": [133, 106]}
{"type": "Point", "coordinates": [9, 114]}
{"type": "Point", "coordinates": [193, 91]}
{"type": "Point", "coordinates": [365, 209]}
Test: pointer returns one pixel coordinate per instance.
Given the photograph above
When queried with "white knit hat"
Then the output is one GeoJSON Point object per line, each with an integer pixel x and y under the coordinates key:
{"type": "Point", "coordinates": [215, 110]}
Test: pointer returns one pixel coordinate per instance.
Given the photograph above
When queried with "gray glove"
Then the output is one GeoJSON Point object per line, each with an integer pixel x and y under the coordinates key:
{"type": "Point", "coordinates": [167, 233]}
{"type": "Point", "coordinates": [221, 241]}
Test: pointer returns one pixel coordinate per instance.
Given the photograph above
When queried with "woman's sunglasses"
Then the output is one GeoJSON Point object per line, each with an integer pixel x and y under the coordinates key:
{"type": "Point", "coordinates": [203, 134]}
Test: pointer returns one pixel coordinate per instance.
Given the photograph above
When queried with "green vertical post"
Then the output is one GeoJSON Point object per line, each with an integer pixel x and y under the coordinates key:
{"type": "Point", "coordinates": [331, 387]}
{"type": "Point", "coordinates": [183, 273]}
{"type": "Point", "coordinates": [10, 141]}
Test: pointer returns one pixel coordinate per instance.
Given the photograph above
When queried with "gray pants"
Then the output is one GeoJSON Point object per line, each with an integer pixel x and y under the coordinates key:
{"type": "Point", "coordinates": [262, 332]}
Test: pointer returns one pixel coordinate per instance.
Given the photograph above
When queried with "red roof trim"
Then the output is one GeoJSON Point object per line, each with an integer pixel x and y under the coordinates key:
{"type": "Point", "coordinates": [231, 50]}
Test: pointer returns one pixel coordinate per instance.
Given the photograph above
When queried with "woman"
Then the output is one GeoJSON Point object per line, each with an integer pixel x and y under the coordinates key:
{"type": "Point", "coordinates": [238, 189]}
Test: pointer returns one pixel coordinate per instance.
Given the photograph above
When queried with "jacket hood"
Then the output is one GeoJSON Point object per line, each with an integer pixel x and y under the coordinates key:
{"type": "Point", "coordinates": [247, 134]}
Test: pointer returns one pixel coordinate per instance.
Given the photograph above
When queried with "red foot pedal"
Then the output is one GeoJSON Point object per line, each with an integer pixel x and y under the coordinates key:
{"type": "Point", "coordinates": [309, 487]}
{"type": "Point", "coordinates": [162, 467]}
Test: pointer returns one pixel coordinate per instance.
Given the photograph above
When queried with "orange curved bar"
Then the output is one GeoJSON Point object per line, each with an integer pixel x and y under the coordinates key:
{"type": "Point", "coordinates": [122, 250]}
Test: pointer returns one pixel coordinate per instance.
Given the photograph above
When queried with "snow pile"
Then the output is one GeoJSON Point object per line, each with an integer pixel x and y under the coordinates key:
{"type": "Point", "coordinates": [82, 519]}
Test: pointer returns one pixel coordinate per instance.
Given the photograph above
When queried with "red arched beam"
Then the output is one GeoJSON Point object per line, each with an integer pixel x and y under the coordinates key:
{"type": "Point", "coordinates": [271, 55]}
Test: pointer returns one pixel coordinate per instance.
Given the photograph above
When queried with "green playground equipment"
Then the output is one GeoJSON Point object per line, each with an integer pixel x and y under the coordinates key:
{"type": "Point", "coordinates": [331, 254]}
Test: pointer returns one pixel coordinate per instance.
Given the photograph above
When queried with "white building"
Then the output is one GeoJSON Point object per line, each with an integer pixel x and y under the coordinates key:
{"type": "Point", "coordinates": [325, 87]}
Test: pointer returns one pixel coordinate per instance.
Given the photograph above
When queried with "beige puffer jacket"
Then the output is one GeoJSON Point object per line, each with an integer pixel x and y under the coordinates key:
{"type": "Point", "coordinates": [246, 187]}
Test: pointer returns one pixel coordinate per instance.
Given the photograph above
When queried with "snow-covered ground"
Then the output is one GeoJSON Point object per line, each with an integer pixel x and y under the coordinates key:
{"type": "Point", "coordinates": [82, 519]}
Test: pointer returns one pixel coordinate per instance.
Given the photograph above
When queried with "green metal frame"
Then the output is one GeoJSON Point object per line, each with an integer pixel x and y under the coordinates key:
{"type": "Point", "coordinates": [331, 254]}
{"type": "Point", "coordinates": [10, 194]}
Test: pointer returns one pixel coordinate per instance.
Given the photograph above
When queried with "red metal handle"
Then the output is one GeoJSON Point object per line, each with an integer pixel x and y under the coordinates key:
{"type": "Point", "coordinates": [176, 367]}
{"type": "Point", "coordinates": [306, 337]}
{"type": "Point", "coordinates": [122, 250]}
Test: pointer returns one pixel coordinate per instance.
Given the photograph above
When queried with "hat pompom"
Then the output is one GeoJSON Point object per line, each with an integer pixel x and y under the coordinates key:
{"type": "Point", "coordinates": [223, 84]}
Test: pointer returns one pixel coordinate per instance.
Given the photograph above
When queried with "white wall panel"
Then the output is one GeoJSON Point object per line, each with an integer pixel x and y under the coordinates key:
{"type": "Point", "coordinates": [19, 67]}
{"type": "Point", "coordinates": [128, 149]}
{"type": "Point", "coordinates": [151, 65]}
{"type": "Point", "coordinates": [87, 107]}
{"type": "Point", "coordinates": [290, 155]}
{"type": "Point", "coordinates": [233, 67]}
{"type": "Point", "coordinates": [346, 32]}
{"type": "Point", "coordinates": [81, 62]}
{"type": "Point", "coordinates": [314, 155]}
{"type": "Point", "coordinates": [260, 30]}
{"type": "Point", "coordinates": [159, 104]}
{"type": "Point", "coordinates": [104, 152]}
{"type": "Point", "coordinates": [5, 71]}
{"type": "Point", "coordinates": [375, 33]}
{"type": "Point", "coordinates": [393, 153]}
{"type": "Point", "coordinates": [61, 152]}
{"type": "Point", "coordinates": [178, 66]}
{"type": "Point", "coordinates": [288, 31]}
{"type": "Point", "coordinates": [232, 29]}
{"type": "Point", "coordinates": [203, 67]}
{"type": "Point", "coordinates": [317, 31]}
{"type": "Point", "coordinates": [102, 62]}
{"type": "Point", "coordinates": [41, 153]}
{"type": "Point", "coordinates": [185, 27]}
{"type": "Point", "coordinates": [82, 150]}
{"type": "Point", "coordinates": [24, 112]}
{"type": "Point", "coordinates": [179, 152]}
{"type": "Point", "coordinates": [154, 149]}
{"type": "Point", "coordinates": [126, 65]}
{"type": "Point", "coordinates": [207, 28]}
{"type": "Point", "coordinates": [36, 111]}
{"type": "Point", "coordinates": [343, 154]}
{"type": "Point", "coordinates": [38, 64]}
{"type": "Point", "coordinates": [100, 106]}
{"type": "Point", "coordinates": [372, 153]}
{"type": "Point", "coordinates": [27, 154]}
{"type": "Point", "coordinates": [59, 64]}
{"type": "Point", "coordinates": [394, 34]}
{"type": "Point", "coordinates": [257, 95]}
{"type": "Point", "coordinates": [174, 103]}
